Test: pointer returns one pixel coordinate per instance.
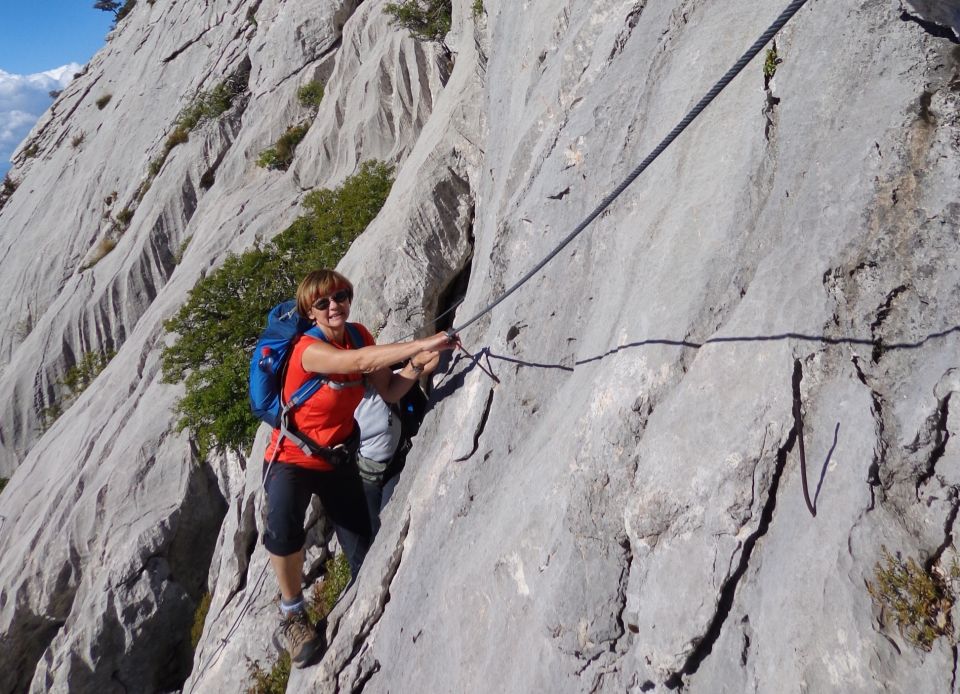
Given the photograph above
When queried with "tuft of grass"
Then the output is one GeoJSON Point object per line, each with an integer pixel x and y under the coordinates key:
{"type": "Point", "coordinates": [311, 94]}
{"type": "Point", "coordinates": [77, 140]}
{"type": "Point", "coordinates": [106, 245]}
{"type": "Point", "coordinates": [7, 188]}
{"type": "Point", "coordinates": [199, 619]}
{"type": "Point", "coordinates": [103, 101]}
{"type": "Point", "coordinates": [327, 592]}
{"type": "Point", "coordinates": [477, 8]}
{"type": "Point", "coordinates": [426, 20]}
{"type": "Point", "coordinates": [272, 681]}
{"type": "Point", "coordinates": [178, 136]}
{"type": "Point", "coordinates": [124, 217]}
{"type": "Point", "coordinates": [49, 415]}
{"type": "Point", "coordinates": [280, 156]}
{"type": "Point", "coordinates": [918, 600]}
{"type": "Point", "coordinates": [770, 62]}
{"type": "Point", "coordinates": [178, 256]}
{"type": "Point", "coordinates": [31, 151]}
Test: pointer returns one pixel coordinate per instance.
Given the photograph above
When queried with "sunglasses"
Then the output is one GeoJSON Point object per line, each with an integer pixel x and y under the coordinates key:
{"type": "Point", "coordinates": [340, 297]}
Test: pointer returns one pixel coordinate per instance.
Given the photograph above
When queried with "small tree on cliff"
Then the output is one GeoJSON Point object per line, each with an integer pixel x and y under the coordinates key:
{"type": "Point", "coordinates": [107, 6]}
{"type": "Point", "coordinates": [119, 9]}
{"type": "Point", "coordinates": [427, 20]}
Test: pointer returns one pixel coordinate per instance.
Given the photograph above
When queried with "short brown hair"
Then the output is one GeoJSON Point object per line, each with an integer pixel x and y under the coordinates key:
{"type": "Point", "coordinates": [317, 284]}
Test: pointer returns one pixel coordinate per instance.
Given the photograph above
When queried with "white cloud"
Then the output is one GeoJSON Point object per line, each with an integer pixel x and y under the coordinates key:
{"type": "Point", "coordinates": [23, 99]}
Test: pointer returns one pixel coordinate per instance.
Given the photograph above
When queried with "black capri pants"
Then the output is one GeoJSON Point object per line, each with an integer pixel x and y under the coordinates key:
{"type": "Point", "coordinates": [289, 489]}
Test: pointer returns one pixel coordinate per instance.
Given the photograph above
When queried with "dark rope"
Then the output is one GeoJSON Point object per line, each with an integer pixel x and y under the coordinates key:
{"type": "Point", "coordinates": [784, 17]}
{"type": "Point", "coordinates": [798, 426]}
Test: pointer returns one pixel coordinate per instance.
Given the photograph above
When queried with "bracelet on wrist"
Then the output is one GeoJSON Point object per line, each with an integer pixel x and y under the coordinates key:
{"type": "Point", "coordinates": [416, 369]}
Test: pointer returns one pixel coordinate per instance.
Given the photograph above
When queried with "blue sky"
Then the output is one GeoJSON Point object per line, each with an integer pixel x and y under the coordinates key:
{"type": "Point", "coordinates": [44, 34]}
{"type": "Point", "coordinates": [36, 37]}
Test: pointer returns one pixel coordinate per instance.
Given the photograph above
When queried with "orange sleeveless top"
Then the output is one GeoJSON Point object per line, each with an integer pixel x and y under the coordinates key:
{"type": "Point", "coordinates": [327, 417]}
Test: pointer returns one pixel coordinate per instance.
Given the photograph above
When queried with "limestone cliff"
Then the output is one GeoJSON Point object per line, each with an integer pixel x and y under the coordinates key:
{"type": "Point", "coordinates": [620, 508]}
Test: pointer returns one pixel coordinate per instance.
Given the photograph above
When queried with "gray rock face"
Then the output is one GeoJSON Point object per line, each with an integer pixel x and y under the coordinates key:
{"type": "Point", "coordinates": [606, 493]}
{"type": "Point", "coordinates": [99, 592]}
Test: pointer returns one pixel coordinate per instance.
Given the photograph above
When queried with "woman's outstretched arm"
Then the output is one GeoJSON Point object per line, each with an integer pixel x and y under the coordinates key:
{"type": "Point", "coordinates": [321, 357]}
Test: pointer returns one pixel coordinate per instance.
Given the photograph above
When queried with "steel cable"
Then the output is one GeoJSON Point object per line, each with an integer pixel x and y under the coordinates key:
{"type": "Point", "coordinates": [749, 55]}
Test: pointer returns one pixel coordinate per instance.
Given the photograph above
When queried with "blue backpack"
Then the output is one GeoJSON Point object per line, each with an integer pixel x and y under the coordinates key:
{"type": "Point", "coordinates": [268, 367]}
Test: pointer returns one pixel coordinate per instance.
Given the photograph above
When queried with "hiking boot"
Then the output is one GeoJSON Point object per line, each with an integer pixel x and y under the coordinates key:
{"type": "Point", "coordinates": [298, 637]}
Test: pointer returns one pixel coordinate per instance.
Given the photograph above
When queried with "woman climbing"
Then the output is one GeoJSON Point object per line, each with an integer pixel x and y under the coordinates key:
{"type": "Point", "coordinates": [324, 297]}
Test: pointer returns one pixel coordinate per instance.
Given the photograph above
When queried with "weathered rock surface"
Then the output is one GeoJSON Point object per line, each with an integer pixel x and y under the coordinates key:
{"type": "Point", "coordinates": [98, 592]}
{"type": "Point", "coordinates": [621, 509]}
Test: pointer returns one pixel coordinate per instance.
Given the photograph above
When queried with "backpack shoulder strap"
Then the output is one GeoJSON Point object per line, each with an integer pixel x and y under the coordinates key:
{"type": "Point", "coordinates": [353, 334]}
{"type": "Point", "coordinates": [311, 385]}
{"type": "Point", "coordinates": [356, 337]}
{"type": "Point", "coordinates": [316, 333]}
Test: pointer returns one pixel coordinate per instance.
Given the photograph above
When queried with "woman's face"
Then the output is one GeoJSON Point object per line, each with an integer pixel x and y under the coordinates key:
{"type": "Point", "coordinates": [332, 310]}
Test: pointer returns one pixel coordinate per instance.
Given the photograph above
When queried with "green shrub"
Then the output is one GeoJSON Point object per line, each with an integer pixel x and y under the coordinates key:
{"type": "Point", "coordinates": [280, 156]}
{"type": "Point", "coordinates": [477, 8]}
{"type": "Point", "coordinates": [311, 94]}
{"type": "Point", "coordinates": [205, 106]}
{"type": "Point", "coordinates": [427, 20]}
{"type": "Point", "coordinates": [208, 105]}
{"type": "Point", "coordinates": [77, 140]}
{"type": "Point", "coordinates": [218, 326]}
{"type": "Point", "coordinates": [103, 101]}
{"type": "Point", "coordinates": [85, 371]}
{"type": "Point", "coordinates": [31, 151]}
{"type": "Point", "coordinates": [199, 619]}
{"type": "Point", "coordinates": [272, 682]}
{"type": "Point", "coordinates": [918, 599]}
{"type": "Point", "coordinates": [327, 592]}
